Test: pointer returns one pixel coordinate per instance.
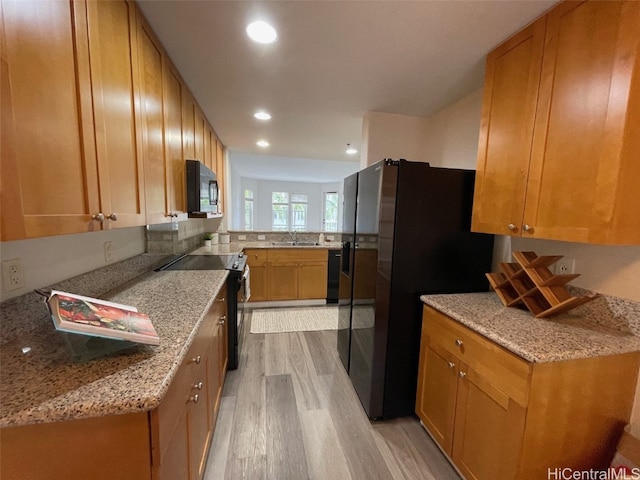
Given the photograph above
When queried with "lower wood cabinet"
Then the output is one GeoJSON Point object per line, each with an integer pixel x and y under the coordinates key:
{"type": "Point", "coordinates": [288, 273]}
{"type": "Point", "coordinates": [257, 259]}
{"type": "Point", "coordinates": [170, 442]}
{"type": "Point", "coordinates": [498, 416]}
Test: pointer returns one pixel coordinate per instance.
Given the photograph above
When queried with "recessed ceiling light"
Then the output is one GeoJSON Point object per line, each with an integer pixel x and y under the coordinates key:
{"type": "Point", "coordinates": [261, 32]}
{"type": "Point", "coordinates": [262, 143]}
{"type": "Point", "coordinates": [350, 150]}
{"type": "Point", "coordinates": [262, 115]}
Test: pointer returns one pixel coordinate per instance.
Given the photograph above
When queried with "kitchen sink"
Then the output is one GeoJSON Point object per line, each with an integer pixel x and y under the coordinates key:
{"type": "Point", "coordinates": [294, 244]}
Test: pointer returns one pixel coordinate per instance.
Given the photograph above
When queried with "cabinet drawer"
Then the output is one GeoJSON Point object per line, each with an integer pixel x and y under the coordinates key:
{"type": "Point", "coordinates": [298, 255]}
{"type": "Point", "coordinates": [257, 256]}
{"type": "Point", "coordinates": [504, 370]}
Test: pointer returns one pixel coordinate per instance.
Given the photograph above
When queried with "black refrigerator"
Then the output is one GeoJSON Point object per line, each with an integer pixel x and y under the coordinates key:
{"type": "Point", "coordinates": [412, 237]}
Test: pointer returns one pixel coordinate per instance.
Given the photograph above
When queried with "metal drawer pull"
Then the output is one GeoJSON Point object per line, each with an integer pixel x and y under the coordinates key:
{"type": "Point", "coordinates": [512, 227]}
{"type": "Point", "coordinates": [99, 217]}
{"type": "Point", "coordinates": [527, 228]}
{"type": "Point", "coordinates": [194, 398]}
{"type": "Point", "coordinates": [197, 386]}
{"type": "Point", "coordinates": [221, 299]}
{"type": "Point", "coordinates": [459, 342]}
{"type": "Point", "coordinates": [197, 360]}
{"type": "Point", "coordinates": [462, 374]}
{"type": "Point", "coordinates": [223, 319]}
{"type": "Point", "coordinates": [451, 364]}
{"type": "Point", "coordinates": [113, 216]}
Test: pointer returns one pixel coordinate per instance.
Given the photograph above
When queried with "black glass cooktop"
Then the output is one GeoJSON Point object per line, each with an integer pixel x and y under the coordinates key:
{"type": "Point", "coordinates": [200, 262]}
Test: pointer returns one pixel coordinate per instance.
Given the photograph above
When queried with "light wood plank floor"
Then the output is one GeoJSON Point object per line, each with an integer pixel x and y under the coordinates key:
{"type": "Point", "coordinates": [289, 412]}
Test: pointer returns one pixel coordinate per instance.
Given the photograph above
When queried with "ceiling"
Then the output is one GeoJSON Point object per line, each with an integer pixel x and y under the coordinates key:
{"type": "Point", "coordinates": [333, 62]}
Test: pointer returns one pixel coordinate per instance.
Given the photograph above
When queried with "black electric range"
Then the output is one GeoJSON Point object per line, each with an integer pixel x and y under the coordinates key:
{"type": "Point", "coordinates": [236, 290]}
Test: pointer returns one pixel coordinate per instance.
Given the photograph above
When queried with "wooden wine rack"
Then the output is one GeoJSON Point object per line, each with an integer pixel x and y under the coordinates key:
{"type": "Point", "coordinates": [529, 282]}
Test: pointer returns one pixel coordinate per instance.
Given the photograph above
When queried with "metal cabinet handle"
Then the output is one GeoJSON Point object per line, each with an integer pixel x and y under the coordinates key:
{"type": "Point", "coordinates": [99, 217]}
{"type": "Point", "coordinates": [221, 299]}
{"type": "Point", "coordinates": [194, 398]}
{"type": "Point", "coordinates": [459, 342]}
{"type": "Point", "coordinates": [527, 228]}
{"type": "Point", "coordinates": [451, 364]}
{"type": "Point", "coordinates": [113, 216]}
{"type": "Point", "coordinates": [197, 386]}
{"type": "Point", "coordinates": [512, 227]}
{"type": "Point", "coordinates": [197, 360]}
{"type": "Point", "coordinates": [223, 319]}
{"type": "Point", "coordinates": [462, 374]}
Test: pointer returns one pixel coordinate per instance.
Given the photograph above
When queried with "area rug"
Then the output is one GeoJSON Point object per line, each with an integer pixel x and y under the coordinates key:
{"type": "Point", "coordinates": [280, 320]}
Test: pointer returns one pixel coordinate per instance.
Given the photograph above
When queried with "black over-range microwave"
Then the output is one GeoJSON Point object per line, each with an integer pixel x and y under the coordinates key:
{"type": "Point", "coordinates": [202, 188]}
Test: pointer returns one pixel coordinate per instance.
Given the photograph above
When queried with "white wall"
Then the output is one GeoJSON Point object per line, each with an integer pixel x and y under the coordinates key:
{"type": "Point", "coordinates": [51, 259]}
{"type": "Point", "coordinates": [262, 190]}
{"type": "Point", "coordinates": [387, 135]}
{"type": "Point", "coordinates": [450, 139]}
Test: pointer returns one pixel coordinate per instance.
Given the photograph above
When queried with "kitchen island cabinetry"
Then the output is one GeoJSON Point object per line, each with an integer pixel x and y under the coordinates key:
{"type": "Point", "coordinates": [558, 160]}
{"type": "Point", "coordinates": [497, 415]}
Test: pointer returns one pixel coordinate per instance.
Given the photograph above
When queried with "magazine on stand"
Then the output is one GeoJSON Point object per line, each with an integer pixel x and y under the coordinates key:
{"type": "Point", "coordinates": [100, 318]}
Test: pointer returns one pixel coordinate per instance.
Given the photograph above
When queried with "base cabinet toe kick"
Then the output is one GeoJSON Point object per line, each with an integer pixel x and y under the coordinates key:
{"type": "Point", "coordinates": [496, 415]}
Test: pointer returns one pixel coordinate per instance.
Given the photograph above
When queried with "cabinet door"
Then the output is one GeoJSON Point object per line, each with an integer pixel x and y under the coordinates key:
{"type": "Point", "coordinates": [586, 143]}
{"type": "Point", "coordinates": [436, 394]}
{"type": "Point", "coordinates": [199, 420]}
{"type": "Point", "coordinates": [489, 428]}
{"type": "Point", "coordinates": [156, 173]}
{"type": "Point", "coordinates": [114, 62]}
{"type": "Point", "coordinates": [188, 124]}
{"type": "Point", "coordinates": [175, 460]}
{"type": "Point", "coordinates": [506, 131]}
{"type": "Point", "coordinates": [312, 280]}
{"type": "Point", "coordinates": [173, 138]}
{"type": "Point", "coordinates": [257, 261]}
{"type": "Point", "coordinates": [48, 169]}
{"type": "Point", "coordinates": [199, 131]}
{"type": "Point", "coordinates": [283, 281]}
{"type": "Point", "coordinates": [220, 172]}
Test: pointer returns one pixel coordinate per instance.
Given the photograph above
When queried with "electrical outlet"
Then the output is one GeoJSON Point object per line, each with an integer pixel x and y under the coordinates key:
{"type": "Point", "coordinates": [107, 252]}
{"type": "Point", "coordinates": [262, 237]}
{"type": "Point", "coordinates": [330, 238]}
{"type": "Point", "coordinates": [12, 275]}
{"type": "Point", "coordinates": [565, 266]}
{"type": "Point", "coordinates": [242, 237]}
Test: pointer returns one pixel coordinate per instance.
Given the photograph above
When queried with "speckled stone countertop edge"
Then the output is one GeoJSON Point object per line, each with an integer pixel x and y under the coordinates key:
{"type": "Point", "coordinates": [139, 380]}
{"type": "Point", "coordinates": [565, 337]}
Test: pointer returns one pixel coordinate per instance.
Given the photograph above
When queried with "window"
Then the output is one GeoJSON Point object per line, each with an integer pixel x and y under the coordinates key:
{"type": "Point", "coordinates": [280, 211]}
{"type": "Point", "coordinates": [298, 211]}
{"type": "Point", "coordinates": [248, 209]}
{"type": "Point", "coordinates": [330, 212]}
{"type": "Point", "coordinates": [289, 211]}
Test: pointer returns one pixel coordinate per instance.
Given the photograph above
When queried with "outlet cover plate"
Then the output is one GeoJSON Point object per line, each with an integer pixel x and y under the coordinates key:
{"type": "Point", "coordinates": [12, 275]}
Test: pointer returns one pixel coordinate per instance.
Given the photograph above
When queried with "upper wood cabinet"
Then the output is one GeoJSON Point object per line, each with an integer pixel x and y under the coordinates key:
{"type": "Point", "coordinates": [96, 121]}
{"type": "Point", "coordinates": [173, 138]}
{"type": "Point", "coordinates": [219, 169]}
{"type": "Point", "coordinates": [114, 78]}
{"type": "Point", "coordinates": [156, 172]}
{"type": "Point", "coordinates": [48, 165]}
{"type": "Point", "coordinates": [560, 129]}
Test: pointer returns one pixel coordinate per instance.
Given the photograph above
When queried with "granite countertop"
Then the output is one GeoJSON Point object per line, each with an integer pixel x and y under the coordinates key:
{"type": "Point", "coordinates": [604, 326]}
{"type": "Point", "coordinates": [44, 385]}
{"type": "Point", "coordinates": [236, 247]}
